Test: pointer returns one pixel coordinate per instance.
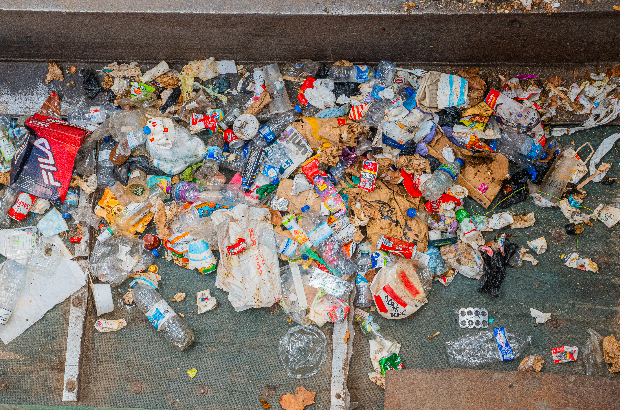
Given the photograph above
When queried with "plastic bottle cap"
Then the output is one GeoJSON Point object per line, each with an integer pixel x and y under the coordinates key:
{"type": "Point", "coordinates": [156, 253]}
{"type": "Point", "coordinates": [411, 213]}
{"type": "Point", "coordinates": [304, 208]}
{"type": "Point", "coordinates": [107, 138]}
{"type": "Point", "coordinates": [146, 130]}
{"type": "Point", "coordinates": [304, 257]}
{"type": "Point", "coordinates": [460, 161]}
{"type": "Point", "coordinates": [298, 109]}
{"type": "Point", "coordinates": [461, 214]}
{"type": "Point", "coordinates": [66, 216]}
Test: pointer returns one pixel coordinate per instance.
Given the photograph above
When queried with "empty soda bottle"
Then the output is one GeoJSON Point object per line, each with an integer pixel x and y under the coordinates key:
{"type": "Point", "coordinates": [442, 179]}
{"type": "Point", "coordinates": [162, 316]}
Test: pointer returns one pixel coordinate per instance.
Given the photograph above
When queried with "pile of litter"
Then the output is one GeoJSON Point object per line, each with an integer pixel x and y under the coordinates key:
{"type": "Point", "coordinates": [337, 192]}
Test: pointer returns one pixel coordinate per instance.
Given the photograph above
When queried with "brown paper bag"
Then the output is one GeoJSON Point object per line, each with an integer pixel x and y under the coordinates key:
{"type": "Point", "coordinates": [482, 173]}
{"type": "Point", "coordinates": [323, 132]}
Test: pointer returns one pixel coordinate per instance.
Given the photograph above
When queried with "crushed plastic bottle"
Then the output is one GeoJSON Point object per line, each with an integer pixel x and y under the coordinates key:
{"type": "Point", "coordinates": [162, 316]}
{"type": "Point", "coordinates": [486, 347]}
{"type": "Point", "coordinates": [442, 179]}
{"type": "Point", "coordinates": [353, 74]}
{"type": "Point", "coordinates": [105, 167]}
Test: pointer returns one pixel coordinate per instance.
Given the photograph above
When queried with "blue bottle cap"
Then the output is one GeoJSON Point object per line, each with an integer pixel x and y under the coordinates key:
{"type": "Point", "coordinates": [146, 130]}
{"type": "Point", "coordinates": [305, 208]}
{"type": "Point", "coordinates": [411, 213]}
{"type": "Point", "coordinates": [305, 257]}
{"type": "Point", "coordinates": [66, 216]}
{"type": "Point", "coordinates": [106, 138]}
{"type": "Point", "coordinates": [156, 253]}
{"type": "Point", "coordinates": [460, 161]}
{"type": "Point", "coordinates": [298, 109]}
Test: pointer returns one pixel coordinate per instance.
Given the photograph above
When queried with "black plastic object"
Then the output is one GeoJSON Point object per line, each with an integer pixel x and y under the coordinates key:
{"type": "Point", "coordinates": [348, 89]}
{"type": "Point", "coordinates": [511, 192]}
{"type": "Point", "coordinates": [121, 174]}
{"type": "Point", "coordinates": [607, 181]}
{"type": "Point", "coordinates": [433, 162]}
{"type": "Point", "coordinates": [322, 72]}
{"type": "Point", "coordinates": [494, 269]}
{"type": "Point", "coordinates": [449, 116]}
{"type": "Point", "coordinates": [573, 229]}
{"type": "Point", "coordinates": [172, 99]}
{"type": "Point", "coordinates": [90, 83]}
{"type": "Point", "coordinates": [222, 83]}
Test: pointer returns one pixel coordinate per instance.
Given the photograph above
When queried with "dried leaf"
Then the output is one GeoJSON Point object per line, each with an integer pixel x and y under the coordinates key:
{"type": "Point", "coordinates": [179, 297]}
{"type": "Point", "coordinates": [264, 403]}
{"type": "Point", "coordinates": [54, 73]}
{"type": "Point", "coordinates": [299, 401]}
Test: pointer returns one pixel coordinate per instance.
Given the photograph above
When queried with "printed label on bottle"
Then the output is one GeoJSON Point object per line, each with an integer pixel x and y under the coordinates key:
{"type": "Point", "coordinates": [95, 114]}
{"type": "Point", "coordinates": [214, 153]}
{"type": "Point", "coordinates": [7, 148]}
{"type": "Point", "coordinates": [502, 344]}
{"type": "Point", "coordinates": [266, 133]}
{"type": "Point", "coordinates": [23, 241]}
{"type": "Point", "coordinates": [132, 140]}
{"type": "Point", "coordinates": [5, 315]}
{"type": "Point", "coordinates": [320, 233]}
{"type": "Point", "coordinates": [288, 248]}
{"type": "Point", "coordinates": [104, 155]}
{"type": "Point", "coordinates": [159, 314]}
{"type": "Point", "coordinates": [362, 73]}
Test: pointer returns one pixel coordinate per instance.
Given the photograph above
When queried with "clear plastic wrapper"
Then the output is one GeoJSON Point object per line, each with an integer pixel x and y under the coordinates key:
{"type": "Point", "coordinates": [481, 348]}
{"type": "Point", "coordinates": [303, 350]}
{"type": "Point", "coordinates": [330, 284]}
{"type": "Point", "coordinates": [399, 290]}
{"type": "Point", "coordinates": [113, 261]}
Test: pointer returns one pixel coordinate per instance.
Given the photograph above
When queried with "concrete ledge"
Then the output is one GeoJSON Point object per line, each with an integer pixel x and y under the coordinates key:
{"type": "Point", "coordinates": [483, 38]}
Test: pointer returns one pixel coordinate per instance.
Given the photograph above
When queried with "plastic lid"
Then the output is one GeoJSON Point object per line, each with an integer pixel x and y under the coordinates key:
{"type": "Point", "coordinates": [305, 257]}
{"type": "Point", "coordinates": [66, 216]}
{"type": "Point", "coordinates": [298, 109]}
{"type": "Point", "coordinates": [460, 161]}
{"type": "Point", "coordinates": [146, 130]}
{"type": "Point", "coordinates": [305, 208]}
{"type": "Point", "coordinates": [411, 213]}
{"type": "Point", "coordinates": [106, 138]}
{"type": "Point", "coordinates": [156, 253]}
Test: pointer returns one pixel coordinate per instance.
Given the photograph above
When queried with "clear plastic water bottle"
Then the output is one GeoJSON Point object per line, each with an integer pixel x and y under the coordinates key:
{"type": "Point", "coordinates": [275, 86]}
{"type": "Point", "coordinates": [519, 148]}
{"type": "Point", "coordinates": [9, 195]}
{"type": "Point", "coordinates": [71, 202]}
{"type": "Point", "coordinates": [371, 330]}
{"type": "Point", "coordinates": [6, 146]}
{"type": "Point", "coordinates": [89, 117]}
{"type": "Point", "coordinates": [363, 294]}
{"type": "Point", "coordinates": [213, 157]}
{"type": "Point", "coordinates": [129, 135]}
{"type": "Point", "coordinates": [442, 179]}
{"type": "Point", "coordinates": [162, 316]}
{"type": "Point", "coordinates": [351, 74]}
{"type": "Point", "coordinates": [385, 73]}
{"type": "Point", "coordinates": [225, 194]}
{"type": "Point", "coordinates": [105, 167]}
{"type": "Point", "coordinates": [486, 347]}
{"type": "Point", "coordinates": [271, 130]}
{"type": "Point", "coordinates": [12, 283]}
{"type": "Point", "coordinates": [434, 220]}
{"type": "Point", "coordinates": [315, 225]}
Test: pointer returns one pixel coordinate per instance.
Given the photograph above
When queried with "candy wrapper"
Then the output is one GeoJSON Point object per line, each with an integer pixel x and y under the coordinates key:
{"type": "Point", "coordinates": [564, 354]}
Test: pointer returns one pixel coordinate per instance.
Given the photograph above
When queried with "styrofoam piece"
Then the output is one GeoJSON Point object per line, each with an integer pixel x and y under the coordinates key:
{"type": "Point", "coordinates": [102, 293]}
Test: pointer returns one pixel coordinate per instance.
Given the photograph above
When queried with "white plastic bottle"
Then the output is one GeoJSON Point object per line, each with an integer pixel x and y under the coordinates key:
{"type": "Point", "coordinates": [12, 283]}
{"type": "Point", "coordinates": [442, 179]}
{"type": "Point", "coordinates": [162, 316]}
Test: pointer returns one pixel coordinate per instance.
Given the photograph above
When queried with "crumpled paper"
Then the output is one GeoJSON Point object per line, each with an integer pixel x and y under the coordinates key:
{"type": "Point", "coordinates": [538, 245]}
{"type": "Point", "coordinates": [105, 326]}
{"type": "Point", "coordinates": [611, 352]}
{"type": "Point", "coordinates": [205, 301]}
{"type": "Point", "coordinates": [523, 221]}
{"type": "Point", "coordinates": [540, 316]}
{"type": "Point", "coordinates": [573, 260]}
{"type": "Point", "coordinates": [531, 363]}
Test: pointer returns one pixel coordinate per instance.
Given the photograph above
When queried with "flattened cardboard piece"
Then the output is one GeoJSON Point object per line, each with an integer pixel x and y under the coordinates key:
{"type": "Point", "coordinates": [384, 212]}
{"type": "Point", "coordinates": [309, 197]}
{"type": "Point", "coordinates": [482, 174]}
{"type": "Point", "coordinates": [320, 131]}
